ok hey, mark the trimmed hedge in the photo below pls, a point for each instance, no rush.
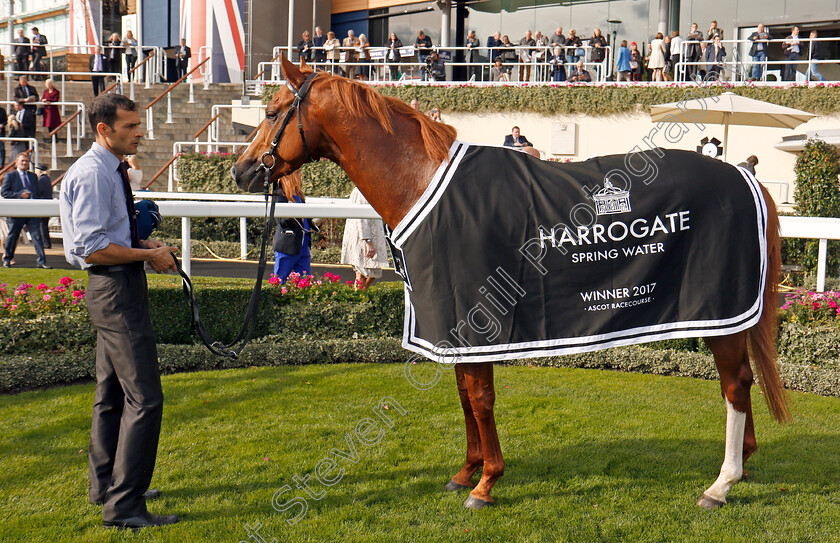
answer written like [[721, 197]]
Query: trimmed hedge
[[592, 100]]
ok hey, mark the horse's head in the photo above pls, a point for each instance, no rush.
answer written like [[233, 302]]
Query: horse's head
[[278, 145]]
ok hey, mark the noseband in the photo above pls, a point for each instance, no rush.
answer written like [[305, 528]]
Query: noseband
[[299, 95]]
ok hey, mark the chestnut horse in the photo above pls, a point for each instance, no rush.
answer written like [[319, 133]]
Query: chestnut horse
[[391, 153]]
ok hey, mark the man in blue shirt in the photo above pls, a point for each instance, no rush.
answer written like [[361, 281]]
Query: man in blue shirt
[[100, 235]]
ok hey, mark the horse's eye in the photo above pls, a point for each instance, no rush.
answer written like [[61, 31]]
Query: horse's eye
[[271, 115]]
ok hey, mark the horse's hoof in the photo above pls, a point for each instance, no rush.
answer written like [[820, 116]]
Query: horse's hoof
[[707, 502], [452, 486], [475, 503]]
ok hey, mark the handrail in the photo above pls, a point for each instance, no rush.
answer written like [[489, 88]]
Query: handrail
[[11, 164], [57, 181], [175, 84], [64, 123], [163, 169], [142, 62], [264, 69], [111, 86], [203, 128]]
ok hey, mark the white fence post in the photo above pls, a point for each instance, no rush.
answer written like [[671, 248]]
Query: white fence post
[[821, 265], [186, 246], [243, 237]]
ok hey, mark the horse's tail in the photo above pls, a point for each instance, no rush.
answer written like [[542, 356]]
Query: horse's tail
[[763, 335]]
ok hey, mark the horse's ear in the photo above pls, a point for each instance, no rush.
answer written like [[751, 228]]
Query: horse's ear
[[291, 72], [304, 65]]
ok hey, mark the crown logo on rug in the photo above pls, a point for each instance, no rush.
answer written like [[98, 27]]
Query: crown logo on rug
[[611, 199]]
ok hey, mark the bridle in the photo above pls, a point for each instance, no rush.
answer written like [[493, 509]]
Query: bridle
[[232, 349]]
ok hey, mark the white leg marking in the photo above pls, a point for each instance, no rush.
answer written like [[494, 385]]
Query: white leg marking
[[733, 461]]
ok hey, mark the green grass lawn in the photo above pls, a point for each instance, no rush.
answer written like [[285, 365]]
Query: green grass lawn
[[13, 276], [591, 456]]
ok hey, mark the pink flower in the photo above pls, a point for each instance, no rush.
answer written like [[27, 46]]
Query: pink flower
[[816, 305], [46, 297], [13, 307], [64, 300], [283, 290], [42, 286], [832, 304], [274, 280], [77, 293], [65, 281]]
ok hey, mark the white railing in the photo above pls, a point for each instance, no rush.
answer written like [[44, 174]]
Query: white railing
[[823, 229], [213, 131], [157, 67], [534, 59], [9, 75], [33, 144]]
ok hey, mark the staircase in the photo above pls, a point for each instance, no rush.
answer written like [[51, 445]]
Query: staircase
[[187, 119]]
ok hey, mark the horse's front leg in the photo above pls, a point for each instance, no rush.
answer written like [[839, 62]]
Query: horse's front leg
[[732, 361], [475, 456], [478, 379]]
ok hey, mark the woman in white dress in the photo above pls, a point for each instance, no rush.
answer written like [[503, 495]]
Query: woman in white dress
[[656, 63], [363, 246]]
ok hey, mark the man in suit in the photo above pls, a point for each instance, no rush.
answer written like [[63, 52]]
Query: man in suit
[[758, 51], [182, 58], [3, 120], [27, 95], [22, 184], [38, 49], [96, 63], [21, 51], [44, 192], [515, 139], [319, 55]]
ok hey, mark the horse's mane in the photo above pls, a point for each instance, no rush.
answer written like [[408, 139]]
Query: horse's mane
[[363, 101]]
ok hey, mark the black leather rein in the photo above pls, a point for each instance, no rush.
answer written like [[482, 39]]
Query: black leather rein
[[235, 347]]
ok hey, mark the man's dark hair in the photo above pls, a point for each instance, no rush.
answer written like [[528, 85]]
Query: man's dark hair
[[104, 109], [514, 128], [752, 159], [35, 29]]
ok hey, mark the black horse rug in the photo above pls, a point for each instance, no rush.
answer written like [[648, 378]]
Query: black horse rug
[[506, 256]]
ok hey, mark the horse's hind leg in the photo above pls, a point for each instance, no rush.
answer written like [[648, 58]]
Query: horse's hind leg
[[475, 456], [732, 361], [482, 394]]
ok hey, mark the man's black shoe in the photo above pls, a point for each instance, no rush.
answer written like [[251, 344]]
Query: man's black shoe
[[145, 520], [44, 267], [150, 494]]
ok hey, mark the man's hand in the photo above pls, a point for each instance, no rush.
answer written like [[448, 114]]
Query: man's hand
[[26, 195], [151, 244], [160, 258]]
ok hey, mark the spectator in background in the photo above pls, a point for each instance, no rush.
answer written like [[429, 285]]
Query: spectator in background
[[182, 58], [499, 72], [676, 45], [437, 67], [3, 121], [38, 51], [714, 32], [516, 139], [393, 57], [666, 46], [715, 57], [540, 56], [525, 56], [656, 63], [558, 38], [21, 51], [130, 45], [506, 50], [97, 63], [557, 65], [113, 52], [758, 51], [318, 41], [693, 52], [434, 114], [349, 45], [579, 74], [16, 131], [817, 52], [415, 105], [750, 164], [135, 174], [493, 42], [332, 49], [622, 63], [363, 58], [363, 246], [52, 117], [44, 192], [792, 49], [472, 44], [635, 62], [22, 184], [293, 238], [423, 44], [304, 47], [574, 47], [598, 43], [27, 95]]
